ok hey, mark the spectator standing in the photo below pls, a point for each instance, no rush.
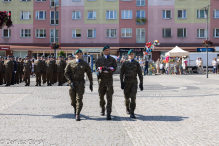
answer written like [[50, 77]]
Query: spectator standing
[[214, 63], [162, 68], [122, 60], [200, 67], [158, 65], [197, 61], [218, 64], [180, 66], [146, 67], [141, 62]]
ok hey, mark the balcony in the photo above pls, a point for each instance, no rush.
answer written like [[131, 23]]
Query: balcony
[[141, 21]]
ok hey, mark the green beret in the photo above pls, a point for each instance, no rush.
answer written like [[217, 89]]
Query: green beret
[[78, 51], [131, 51], [106, 47]]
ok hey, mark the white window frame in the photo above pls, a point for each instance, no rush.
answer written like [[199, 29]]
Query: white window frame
[[94, 12], [38, 29], [183, 17], [25, 0], [184, 36], [9, 33], [110, 29], [198, 14], [214, 14], [166, 14], [114, 15], [199, 33], [6, 0], [140, 3], [140, 14], [92, 33], [164, 32], [23, 31], [44, 15], [54, 17], [57, 36], [140, 35], [74, 32], [125, 33], [40, 0], [214, 33], [129, 14], [76, 15], [55, 1], [22, 13]]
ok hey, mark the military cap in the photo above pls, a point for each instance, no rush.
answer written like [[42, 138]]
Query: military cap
[[26, 56], [16, 58], [20, 58], [5, 57], [131, 51], [78, 51], [106, 47], [42, 56], [69, 56], [54, 57], [60, 56], [38, 55]]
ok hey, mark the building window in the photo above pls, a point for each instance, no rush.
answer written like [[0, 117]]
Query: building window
[[111, 15], [126, 32], [41, 0], [91, 33], [126, 14], [201, 33], [140, 35], [215, 13], [6, 33], [52, 17], [91, 15], [40, 33], [166, 14], [110, 33], [53, 2], [182, 14], [52, 35], [76, 15], [25, 33], [40, 15], [201, 14], [25, 0], [25, 15], [181, 32], [167, 32], [140, 2], [76, 0], [216, 33], [6, 0], [76, 33]]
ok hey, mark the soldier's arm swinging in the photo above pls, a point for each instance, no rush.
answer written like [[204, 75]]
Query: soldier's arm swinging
[[68, 72], [89, 74], [122, 71], [140, 77], [114, 65]]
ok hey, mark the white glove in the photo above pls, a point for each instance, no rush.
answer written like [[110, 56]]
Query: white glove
[[105, 71], [14, 71]]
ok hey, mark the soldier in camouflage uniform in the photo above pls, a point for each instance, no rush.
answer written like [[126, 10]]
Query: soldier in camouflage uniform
[[49, 70], [43, 69], [55, 70], [38, 69], [21, 67], [27, 70], [74, 73], [105, 80], [9, 68], [17, 75], [60, 69], [128, 77], [1, 70]]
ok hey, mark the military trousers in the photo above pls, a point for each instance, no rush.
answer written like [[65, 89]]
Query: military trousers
[[27, 77], [1, 78], [8, 78], [43, 75], [130, 92], [38, 78], [55, 77], [13, 78], [60, 77], [76, 96], [17, 77], [49, 78], [106, 87], [20, 77], [4, 80]]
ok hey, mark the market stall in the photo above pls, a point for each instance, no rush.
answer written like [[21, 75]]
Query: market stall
[[172, 58]]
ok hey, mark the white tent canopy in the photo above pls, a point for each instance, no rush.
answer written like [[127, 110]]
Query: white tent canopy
[[177, 52]]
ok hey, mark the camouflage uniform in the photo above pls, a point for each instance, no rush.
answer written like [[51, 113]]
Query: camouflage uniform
[[17, 75], [43, 71], [74, 72], [105, 81], [129, 72], [38, 69], [9, 68], [49, 72], [60, 69], [27, 69]]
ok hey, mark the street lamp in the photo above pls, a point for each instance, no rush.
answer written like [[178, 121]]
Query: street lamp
[[55, 6], [206, 15]]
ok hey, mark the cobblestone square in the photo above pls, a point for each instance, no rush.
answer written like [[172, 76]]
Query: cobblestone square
[[173, 110]]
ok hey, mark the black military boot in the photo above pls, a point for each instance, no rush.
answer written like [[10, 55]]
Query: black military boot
[[102, 113], [36, 85], [39, 84], [132, 115], [108, 117], [78, 118], [26, 84], [47, 84], [6, 85], [128, 111]]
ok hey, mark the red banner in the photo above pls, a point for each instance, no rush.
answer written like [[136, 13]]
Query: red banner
[[5, 48]]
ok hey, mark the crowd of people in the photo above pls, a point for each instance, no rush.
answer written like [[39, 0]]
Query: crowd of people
[[14, 70]]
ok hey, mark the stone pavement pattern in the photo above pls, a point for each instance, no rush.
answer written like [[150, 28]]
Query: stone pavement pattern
[[171, 111]]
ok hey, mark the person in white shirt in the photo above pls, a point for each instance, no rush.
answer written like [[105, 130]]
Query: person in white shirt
[[162, 68], [214, 63], [197, 61], [218, 64], [141, 62]]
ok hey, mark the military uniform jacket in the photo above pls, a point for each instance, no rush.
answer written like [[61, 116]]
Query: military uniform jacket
[[15, 65], [74, 72], [49, 66], [1, 66], [9, 67], [129, 72], [44, 66], [27, 66], [60, 66], [22, 66], [55, 66], [38, 66], [109, 62], [18, 67]]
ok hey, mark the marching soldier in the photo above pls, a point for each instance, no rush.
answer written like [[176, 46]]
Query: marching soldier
[[9, 68], [38, 69], [64, 79], [3, 62], [60, 69], [27, 70], [55, 70], [74, 73], [43, 69], [22, 67], [106, 66], [14, 72], [49, 71], [128, 77], [17, 75], [1, 70]]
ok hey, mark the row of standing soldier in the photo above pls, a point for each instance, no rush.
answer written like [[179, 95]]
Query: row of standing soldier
[[15, 70]]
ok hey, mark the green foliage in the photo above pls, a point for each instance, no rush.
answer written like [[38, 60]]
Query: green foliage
[[62, 53]]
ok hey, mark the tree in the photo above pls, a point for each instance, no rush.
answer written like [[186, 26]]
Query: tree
[[62, 53]]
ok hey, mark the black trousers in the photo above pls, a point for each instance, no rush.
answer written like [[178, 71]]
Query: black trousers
[[13, 78]]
